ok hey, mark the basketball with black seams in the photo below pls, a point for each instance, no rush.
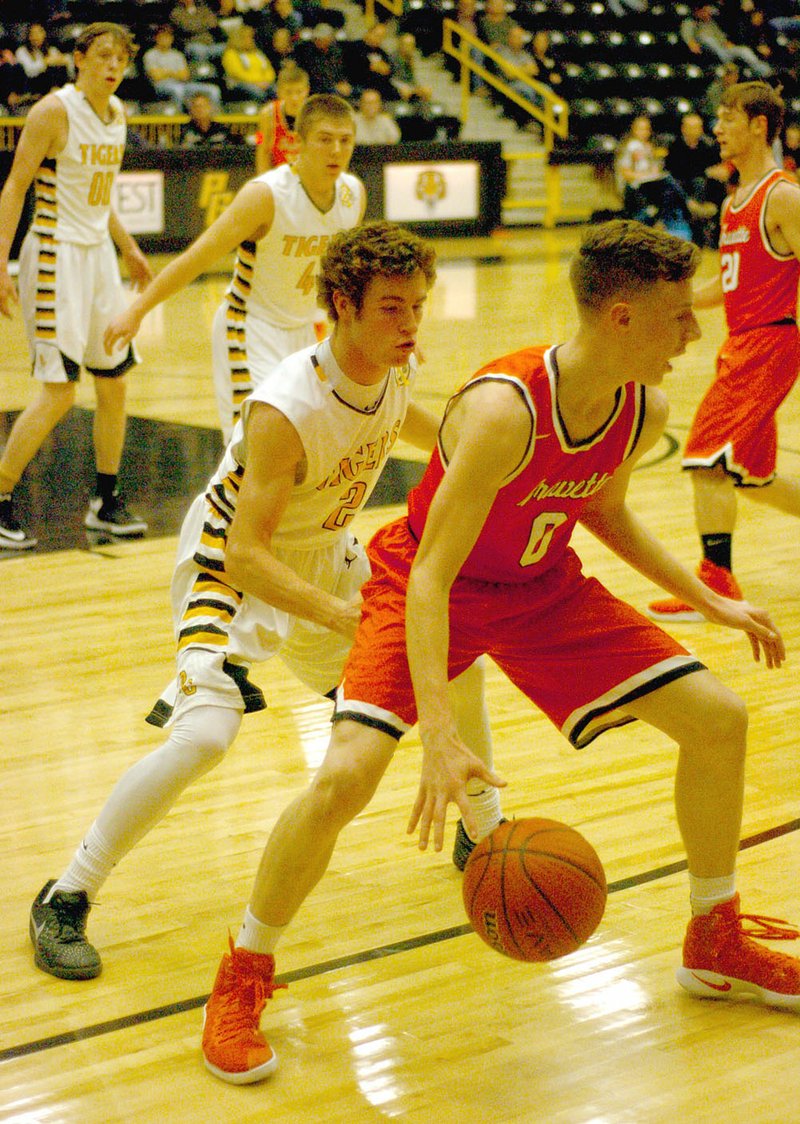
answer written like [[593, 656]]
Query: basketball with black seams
[[534, 889]]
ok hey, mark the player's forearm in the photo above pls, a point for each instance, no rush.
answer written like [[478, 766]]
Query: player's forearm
[[12, 200], [258, 572], [428, 643]]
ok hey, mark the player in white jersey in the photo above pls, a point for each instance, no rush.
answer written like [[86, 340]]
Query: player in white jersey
[[267, 563], [71, 146], [279, 224]]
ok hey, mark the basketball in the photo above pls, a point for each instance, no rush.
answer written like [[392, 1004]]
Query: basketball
[[534, 889]]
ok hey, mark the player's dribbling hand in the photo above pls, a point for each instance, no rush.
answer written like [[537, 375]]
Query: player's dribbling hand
[[764, 637], [443, 780]]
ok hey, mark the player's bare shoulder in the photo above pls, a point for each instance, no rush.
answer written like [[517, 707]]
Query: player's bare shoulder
[[47, 126], [782, 217]]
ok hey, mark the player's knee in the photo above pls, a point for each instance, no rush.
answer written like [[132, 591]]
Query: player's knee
[[722, 725], [205, 734], [348, 777]]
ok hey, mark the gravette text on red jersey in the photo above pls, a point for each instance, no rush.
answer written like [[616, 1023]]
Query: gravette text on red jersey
[[567, 489]]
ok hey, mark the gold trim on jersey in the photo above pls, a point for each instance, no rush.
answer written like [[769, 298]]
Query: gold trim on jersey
[[45, 312]]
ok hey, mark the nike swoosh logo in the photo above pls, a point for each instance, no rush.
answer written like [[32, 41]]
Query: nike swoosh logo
[[717, 987]]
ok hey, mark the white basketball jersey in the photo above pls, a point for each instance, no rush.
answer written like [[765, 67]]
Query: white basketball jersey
[[73, 192], [347, 431], [276, 278]]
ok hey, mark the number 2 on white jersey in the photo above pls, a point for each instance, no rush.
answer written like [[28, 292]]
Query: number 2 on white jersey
[[729, 271]]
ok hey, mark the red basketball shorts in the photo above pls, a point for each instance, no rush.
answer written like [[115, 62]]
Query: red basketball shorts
[[574, 649], [735, 422]]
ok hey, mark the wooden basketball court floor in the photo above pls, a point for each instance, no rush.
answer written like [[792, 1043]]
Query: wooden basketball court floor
[[395, 1010]]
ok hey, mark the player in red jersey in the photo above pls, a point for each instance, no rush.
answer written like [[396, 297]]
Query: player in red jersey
[[277, 137], [733, 440], [483, 564]]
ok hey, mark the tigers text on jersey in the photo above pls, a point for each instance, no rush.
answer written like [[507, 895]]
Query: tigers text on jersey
[[532, 517], [276, 277], [347, 432], [73, 191], [759, 284]]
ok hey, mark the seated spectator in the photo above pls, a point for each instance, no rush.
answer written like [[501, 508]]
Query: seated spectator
[[495, 23], [322, 59], [791, 148], [281, 49], [649, 194], [373, 124], [693, 162], [248, 72], [283, 13], [44, 66], [168, 71], [228, 17], [368, 65], [202, 130], [13, 84], [701, 32], [729, 75], [404, 77], [320, 11], [198, 29], [548, 67], [277, 140]]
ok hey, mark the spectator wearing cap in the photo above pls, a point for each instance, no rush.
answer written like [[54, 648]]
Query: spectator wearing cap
[[322, 59]]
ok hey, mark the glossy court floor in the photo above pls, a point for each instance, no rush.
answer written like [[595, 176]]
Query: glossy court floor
[[395, 1010]]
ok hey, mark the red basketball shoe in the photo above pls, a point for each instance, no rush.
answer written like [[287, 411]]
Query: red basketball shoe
[[722, 961], [233, 1046], [715, 577]]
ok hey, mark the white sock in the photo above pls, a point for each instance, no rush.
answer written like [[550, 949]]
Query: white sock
[[485, 801], [255, 936], [91, 865], [705, 893]]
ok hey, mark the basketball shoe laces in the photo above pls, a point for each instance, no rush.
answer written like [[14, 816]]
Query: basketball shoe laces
[[766, 928], [70, 912], [246, 994]]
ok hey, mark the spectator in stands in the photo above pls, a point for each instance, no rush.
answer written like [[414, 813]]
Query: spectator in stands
[[281, 49], [621, 8], [404, 77], [373, 124], [277, 140], [320, 11], [728, 76], [228, 17], [791, 148], [282, 13], [649, 194], [693, 162], [248, 72], [168, 71], [202, 130], [495, 23], [368, 64], [43, 64], [517, 58], [701, 32], [12, 81], [466, 18], [198, 29], [548, 67], [323, 61]]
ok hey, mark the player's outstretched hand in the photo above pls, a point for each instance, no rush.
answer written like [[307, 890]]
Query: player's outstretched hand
[[447, 765], [764, 637], [121, 330]]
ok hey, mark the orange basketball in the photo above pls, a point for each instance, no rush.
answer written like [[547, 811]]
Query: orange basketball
[[534, 889]]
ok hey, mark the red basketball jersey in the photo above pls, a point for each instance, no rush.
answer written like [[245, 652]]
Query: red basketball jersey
[[758, 283], [284, 139], [530, 523]]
